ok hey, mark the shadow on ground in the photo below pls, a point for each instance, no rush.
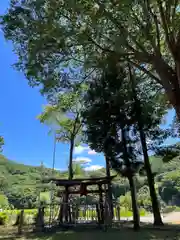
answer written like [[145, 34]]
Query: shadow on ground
[[145, 234]]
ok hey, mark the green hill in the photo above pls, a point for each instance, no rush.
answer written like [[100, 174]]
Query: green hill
[[22, 184]]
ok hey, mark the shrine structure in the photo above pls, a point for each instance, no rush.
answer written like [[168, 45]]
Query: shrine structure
[[68, 212]]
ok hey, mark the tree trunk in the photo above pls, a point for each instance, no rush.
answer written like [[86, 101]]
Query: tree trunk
[[135, 209], [108, 174], [150, 177], [71, 159], [170, 81], [136, 217], [177, 109]]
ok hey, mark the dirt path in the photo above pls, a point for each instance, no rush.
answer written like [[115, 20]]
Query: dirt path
[[173, 217]]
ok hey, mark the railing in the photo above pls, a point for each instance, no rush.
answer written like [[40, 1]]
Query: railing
[[87, 213], [50, 216]]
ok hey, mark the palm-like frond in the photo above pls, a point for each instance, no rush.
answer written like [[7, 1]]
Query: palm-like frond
[[64, 118]]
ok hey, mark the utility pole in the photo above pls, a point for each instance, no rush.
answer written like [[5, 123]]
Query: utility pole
[[41, 182]]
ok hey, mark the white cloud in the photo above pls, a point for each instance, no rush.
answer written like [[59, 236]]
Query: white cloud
[[82, 160], [92, 152], [80, 149], [51, 167], [93, 168]]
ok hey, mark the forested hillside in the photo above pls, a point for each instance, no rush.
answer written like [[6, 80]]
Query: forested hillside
[[20, 184]]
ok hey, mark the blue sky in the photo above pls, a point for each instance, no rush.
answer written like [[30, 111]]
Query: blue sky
[[26, 140]]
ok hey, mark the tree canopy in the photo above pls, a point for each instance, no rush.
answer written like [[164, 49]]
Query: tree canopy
[[48, 35], [109, 100], [65, 121], [113, 121]]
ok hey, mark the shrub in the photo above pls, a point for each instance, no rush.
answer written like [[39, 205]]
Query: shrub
[[142, 212], [26, 218], [4, 204], [30, 211], [18, 219], [3, 218], [126, 213], [169, 209], [177, 209]]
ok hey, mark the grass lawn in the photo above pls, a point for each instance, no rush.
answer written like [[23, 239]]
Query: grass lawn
[[99, 235]]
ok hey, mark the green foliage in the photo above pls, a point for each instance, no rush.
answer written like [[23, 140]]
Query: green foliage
[[143, 212], [173, 177], [169, 209], [124, 212], [168, 152], [21, 183], [45, 198], [4, 204], [110, 104], [85, 32], [78, 170], [17, 222], [65, 120], [156, 164], [125, 201], [169, 187], [3, 218], [62, 125], [21, 177], [1, 143], [144, 199], [120, 118], [64, 117]]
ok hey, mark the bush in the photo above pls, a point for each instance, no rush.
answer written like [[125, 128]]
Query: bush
[[3, 218], [142, 212], [126, 213], [17, 220], [4, 204], [170, 209], [27, 217]]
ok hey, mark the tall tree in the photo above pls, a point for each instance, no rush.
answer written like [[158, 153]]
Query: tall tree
[[48, 34], [105, 117], [110, 101], [141, 124], [66, 119], [126, 163]]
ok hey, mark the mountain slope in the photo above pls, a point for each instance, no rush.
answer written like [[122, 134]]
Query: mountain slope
[[22, 184]]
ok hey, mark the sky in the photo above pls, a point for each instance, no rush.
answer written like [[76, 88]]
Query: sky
[[26, 140]]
